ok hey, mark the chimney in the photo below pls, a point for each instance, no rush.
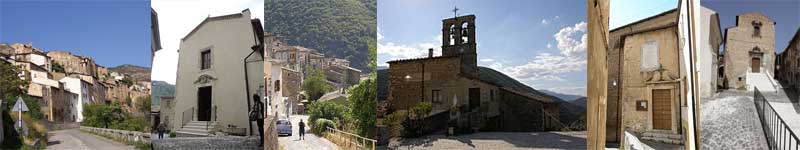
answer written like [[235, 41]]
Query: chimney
[[430, 52]]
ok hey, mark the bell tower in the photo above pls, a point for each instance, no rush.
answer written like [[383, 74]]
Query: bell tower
[[458, 39]]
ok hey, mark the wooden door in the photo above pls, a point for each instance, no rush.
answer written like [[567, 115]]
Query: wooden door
[[756, 65], [204, 104], [662, 109]]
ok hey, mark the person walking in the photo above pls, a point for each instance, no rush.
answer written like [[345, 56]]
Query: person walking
[[258, 109], [302, 129], [160, 130]]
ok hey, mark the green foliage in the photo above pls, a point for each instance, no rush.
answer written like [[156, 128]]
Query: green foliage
[[320, 126], [10, 83], [58, 68], [127, 81], [11, 139], [112, 117], [336, 28], [315, 84], [32, 103], [327, 110], [421, 110], [128, 101], [172, 134], [363, 106], [144, 103]]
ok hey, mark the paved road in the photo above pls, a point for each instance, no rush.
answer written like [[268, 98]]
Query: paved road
[[311, 141], [75, 139], [497, 141]]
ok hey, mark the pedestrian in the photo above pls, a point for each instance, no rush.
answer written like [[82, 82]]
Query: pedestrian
[[160, 130], [258, 109], [302, 129]]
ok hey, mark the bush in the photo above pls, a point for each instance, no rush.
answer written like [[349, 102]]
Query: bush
[[320, 126], [327, 110], [11, 138], [172, 134]]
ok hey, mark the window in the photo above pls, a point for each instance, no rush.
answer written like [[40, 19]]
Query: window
[[650, 56], [436, 96], [756, 29], [205, 58], [277, 85]]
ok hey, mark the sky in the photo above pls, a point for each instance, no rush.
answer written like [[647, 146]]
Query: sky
[[176, 18], [539, 43], [112, 33], [623, 12], [786, 14]]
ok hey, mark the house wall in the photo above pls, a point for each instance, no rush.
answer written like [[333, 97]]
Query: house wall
[[708, 44], [635, 87], [230, 40]]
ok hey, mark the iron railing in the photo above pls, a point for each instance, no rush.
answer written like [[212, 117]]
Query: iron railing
[[188, 114], [779, 135]]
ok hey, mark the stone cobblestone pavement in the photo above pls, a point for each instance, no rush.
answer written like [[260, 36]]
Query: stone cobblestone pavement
[[499, 140], [729, 121]]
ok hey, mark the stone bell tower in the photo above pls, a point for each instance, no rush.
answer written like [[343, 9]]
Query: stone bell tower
[[458, 39]]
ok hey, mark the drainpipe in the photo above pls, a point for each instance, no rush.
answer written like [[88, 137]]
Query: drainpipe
[[247, 90]]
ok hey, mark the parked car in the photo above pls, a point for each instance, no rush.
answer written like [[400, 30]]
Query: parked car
[[284, 127]]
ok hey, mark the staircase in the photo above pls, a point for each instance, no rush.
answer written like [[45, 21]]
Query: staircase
[[663, 137], [196, 129], [761, 80]]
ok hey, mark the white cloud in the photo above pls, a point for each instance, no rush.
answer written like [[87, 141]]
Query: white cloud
[[388, 51], [546, 66], [544, 21], [176, 18], [549, 45], [547, 21], [568, 41], [487, 60]]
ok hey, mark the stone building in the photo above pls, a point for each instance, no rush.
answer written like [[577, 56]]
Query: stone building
[[645, 80], [710, 36], [219, 69], [74, 64], [787, 64], [464, 95], [749, 48]]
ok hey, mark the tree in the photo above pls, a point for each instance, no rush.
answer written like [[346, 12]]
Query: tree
[[58, 68], [315, 84], [11, 84], [363, 102], [143, 105], [128, 101], [326, 110]]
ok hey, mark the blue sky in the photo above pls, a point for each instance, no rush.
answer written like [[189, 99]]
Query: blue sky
[[623, 12], [786, 13], [113, 33], [540, 43]]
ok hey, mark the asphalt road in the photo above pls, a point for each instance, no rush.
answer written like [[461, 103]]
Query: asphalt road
[[75, 139], [311, 142]]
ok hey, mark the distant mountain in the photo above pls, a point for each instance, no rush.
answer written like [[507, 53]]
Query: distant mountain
[[136, 72], [580, 102], [161, 88], [565, 97]]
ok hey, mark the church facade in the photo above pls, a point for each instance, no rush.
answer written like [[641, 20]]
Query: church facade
[[464, 95]]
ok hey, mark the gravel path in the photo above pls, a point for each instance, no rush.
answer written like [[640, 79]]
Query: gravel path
[[729, 121]]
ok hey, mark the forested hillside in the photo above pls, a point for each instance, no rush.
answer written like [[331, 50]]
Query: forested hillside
[[340, 28]]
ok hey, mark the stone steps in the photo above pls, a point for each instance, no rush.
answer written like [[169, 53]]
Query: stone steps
[[195, 129], [663, 137]]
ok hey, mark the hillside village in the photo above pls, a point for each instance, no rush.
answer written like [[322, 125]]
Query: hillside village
[[64, 83]]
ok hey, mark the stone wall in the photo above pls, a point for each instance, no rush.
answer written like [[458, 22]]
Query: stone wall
[[127, 136], [787, 69]]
